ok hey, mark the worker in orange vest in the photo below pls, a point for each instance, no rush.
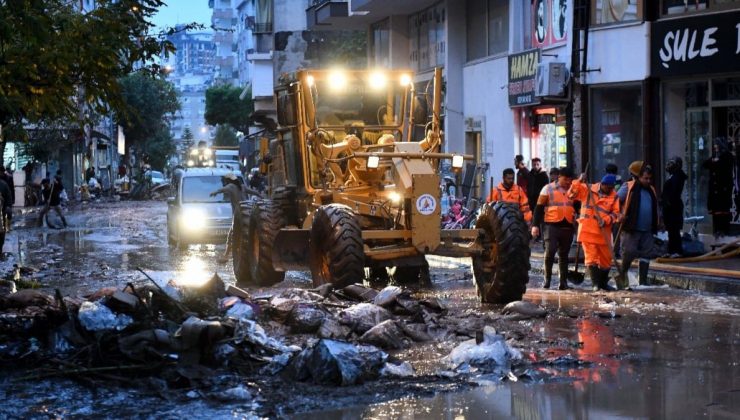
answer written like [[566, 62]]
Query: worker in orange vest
[[509, 192], [554, 206], [599, 211]]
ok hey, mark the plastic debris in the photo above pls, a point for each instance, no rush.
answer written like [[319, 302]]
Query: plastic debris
[[360, 292], [237, 393], [527, 309], [387, 296], [386, 335], [331, 328], [241, 311], [95, 316], [492, 350], [306, 318], [363, 316], [338, 362], [404, 370]]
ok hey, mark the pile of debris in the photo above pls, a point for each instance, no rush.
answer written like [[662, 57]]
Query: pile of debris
[[328, 336]]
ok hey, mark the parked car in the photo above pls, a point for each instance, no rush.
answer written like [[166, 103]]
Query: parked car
[[193, 216], [155, 177]]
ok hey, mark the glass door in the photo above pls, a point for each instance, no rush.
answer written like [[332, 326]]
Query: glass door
[[698, 149]]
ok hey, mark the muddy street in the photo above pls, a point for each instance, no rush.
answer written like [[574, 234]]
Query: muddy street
[[655, 352]]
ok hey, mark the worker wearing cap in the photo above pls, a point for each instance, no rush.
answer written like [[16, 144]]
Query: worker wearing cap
[[557, 211], [235, 190], [509, 192], [599, 211], [639, 222]]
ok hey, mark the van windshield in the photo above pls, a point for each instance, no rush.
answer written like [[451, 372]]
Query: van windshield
[[197, 189]]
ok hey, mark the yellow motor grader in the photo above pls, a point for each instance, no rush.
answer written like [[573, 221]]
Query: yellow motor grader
[[352, 196]]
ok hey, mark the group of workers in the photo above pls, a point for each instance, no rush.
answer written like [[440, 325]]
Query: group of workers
[[600, 208]]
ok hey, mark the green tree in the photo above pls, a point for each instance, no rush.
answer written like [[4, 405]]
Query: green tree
[[150, 104], [57, 62], [225, 136], [187, 139], [223, 106]]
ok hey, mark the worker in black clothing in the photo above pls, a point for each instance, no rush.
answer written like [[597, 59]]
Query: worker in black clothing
[[51, 199], [6, 204]]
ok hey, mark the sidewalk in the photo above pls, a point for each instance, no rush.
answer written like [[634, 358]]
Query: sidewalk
[[721, 276]]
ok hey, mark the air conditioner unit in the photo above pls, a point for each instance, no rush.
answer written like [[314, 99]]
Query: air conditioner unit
[[551, 79]]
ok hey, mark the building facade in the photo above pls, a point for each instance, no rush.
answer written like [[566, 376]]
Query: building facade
[[224, 24]]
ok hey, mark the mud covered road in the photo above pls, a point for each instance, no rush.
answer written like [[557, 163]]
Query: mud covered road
[[655, 352]]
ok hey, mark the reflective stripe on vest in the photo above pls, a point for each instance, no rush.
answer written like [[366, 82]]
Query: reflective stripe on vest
[[558, 207], [587, 209]]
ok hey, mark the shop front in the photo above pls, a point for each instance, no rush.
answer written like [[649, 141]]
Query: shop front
[[540, 125], [696, 59], [617, 135]]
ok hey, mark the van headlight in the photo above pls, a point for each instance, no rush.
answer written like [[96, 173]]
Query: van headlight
[[193, 219]]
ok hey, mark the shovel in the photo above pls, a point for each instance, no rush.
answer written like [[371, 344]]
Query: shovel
[[574, 276]]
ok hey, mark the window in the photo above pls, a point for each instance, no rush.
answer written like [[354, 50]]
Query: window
[[487, 28], [427, 38], [674, 7], [616, 127], [380, 44], [614, 11]]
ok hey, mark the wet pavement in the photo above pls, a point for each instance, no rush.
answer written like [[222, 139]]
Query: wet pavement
[[654, 353]]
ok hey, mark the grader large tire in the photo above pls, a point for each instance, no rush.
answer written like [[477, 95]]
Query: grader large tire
[[240, 250], [502, 272], [265, 221], [336, 250]]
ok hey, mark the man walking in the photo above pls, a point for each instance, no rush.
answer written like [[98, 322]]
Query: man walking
[[599, 211], [509, 192], [639, 222], [537, 180], [51, 200], [554, 206], [522, 173], [236, 192], [673, 205]]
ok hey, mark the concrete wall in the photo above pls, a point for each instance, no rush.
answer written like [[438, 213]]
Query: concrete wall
[[485, 95]]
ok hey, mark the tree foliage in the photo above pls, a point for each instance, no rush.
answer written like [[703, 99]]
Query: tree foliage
[[150, 103], [225, 136], [223, 106], [187, 139], [55, 58]]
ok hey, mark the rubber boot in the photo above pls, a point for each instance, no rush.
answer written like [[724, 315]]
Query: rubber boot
[[643, 273], [623, 280], [563, 273], [604, 280], [594, 273], [548, 273]]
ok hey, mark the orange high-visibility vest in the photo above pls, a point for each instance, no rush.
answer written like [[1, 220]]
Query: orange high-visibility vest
[[559, 206], [594, 201], [515, 195]]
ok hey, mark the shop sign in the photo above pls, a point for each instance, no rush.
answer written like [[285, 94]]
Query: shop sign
[[550, 26], [696, 45], [522, 75], [474, 124]]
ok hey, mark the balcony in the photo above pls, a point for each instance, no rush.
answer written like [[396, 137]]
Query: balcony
[[381, 9], [329, 14]]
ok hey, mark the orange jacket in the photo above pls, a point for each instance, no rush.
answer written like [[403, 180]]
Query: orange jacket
[[557, 204], [594, 201], [514, 195]]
